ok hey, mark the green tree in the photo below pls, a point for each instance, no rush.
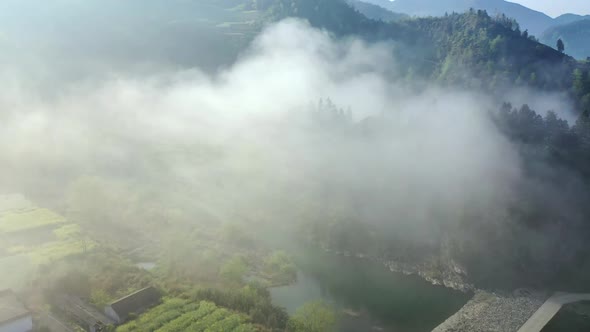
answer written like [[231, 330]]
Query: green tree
[[99, 298], [560, 45], [234, 269], [578, 81], [281, 267], [313, 317], [581, 83]]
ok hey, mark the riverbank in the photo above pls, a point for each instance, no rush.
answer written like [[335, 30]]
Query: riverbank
[[484, 312], [491, 312]]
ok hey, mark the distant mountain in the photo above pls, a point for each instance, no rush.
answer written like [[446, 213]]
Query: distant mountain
[[569, 18], [575, 35], [534, 21], [376, 12], [571, 28], [387, 4]]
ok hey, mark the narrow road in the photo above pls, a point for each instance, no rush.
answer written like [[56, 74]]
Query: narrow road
[[549, 309]]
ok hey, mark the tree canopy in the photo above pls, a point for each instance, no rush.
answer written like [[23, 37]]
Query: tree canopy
[[313, 317]]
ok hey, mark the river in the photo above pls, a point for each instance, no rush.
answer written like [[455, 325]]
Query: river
[[367, 296]]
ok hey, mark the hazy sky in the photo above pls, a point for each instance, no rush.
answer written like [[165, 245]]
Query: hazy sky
[[557, 7]]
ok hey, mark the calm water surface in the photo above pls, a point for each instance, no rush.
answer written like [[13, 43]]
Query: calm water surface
[[368, 297]]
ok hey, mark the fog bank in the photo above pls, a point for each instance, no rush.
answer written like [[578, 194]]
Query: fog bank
[[265, 139]]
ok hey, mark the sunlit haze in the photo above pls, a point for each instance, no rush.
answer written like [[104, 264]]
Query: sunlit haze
[[555, 8]]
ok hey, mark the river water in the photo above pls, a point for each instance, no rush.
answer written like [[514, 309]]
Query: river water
[[367, 296]]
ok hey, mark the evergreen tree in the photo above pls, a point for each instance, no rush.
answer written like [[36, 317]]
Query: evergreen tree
[[560, 45]]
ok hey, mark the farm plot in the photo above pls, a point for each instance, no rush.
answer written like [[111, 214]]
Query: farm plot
[[53, 251], [176, 315]]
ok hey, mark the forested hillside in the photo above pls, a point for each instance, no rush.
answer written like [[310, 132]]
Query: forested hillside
[[470, 50], [535, 23], [494, 51], [476, 51]]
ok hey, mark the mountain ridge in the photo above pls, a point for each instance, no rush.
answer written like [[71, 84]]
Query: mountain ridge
[[536, 22], [376, 12], [569, 18], [575, 36]]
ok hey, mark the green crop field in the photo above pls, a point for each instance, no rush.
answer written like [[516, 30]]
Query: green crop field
[[176, 315], [21, 221]]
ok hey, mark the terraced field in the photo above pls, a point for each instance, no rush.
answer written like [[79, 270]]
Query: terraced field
[[176, 315], [31, 236]]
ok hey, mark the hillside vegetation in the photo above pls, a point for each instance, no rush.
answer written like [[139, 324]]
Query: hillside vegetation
[[199, 147], [537, 24], [472, 49]]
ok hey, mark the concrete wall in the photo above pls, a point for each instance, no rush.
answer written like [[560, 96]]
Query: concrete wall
[[24, 324]]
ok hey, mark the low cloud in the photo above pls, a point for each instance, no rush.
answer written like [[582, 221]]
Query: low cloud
[[249, 138]]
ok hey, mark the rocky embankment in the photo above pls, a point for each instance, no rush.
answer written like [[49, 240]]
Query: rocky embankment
[[436, 270], [449, 274], [490, 312]]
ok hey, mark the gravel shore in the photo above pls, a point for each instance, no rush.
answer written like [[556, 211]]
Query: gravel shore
[[490, 312]]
